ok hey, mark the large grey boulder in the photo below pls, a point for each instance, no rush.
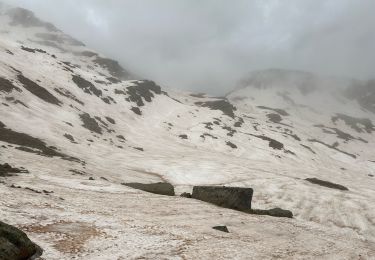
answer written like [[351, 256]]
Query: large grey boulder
[[15, 245], [227, 197]]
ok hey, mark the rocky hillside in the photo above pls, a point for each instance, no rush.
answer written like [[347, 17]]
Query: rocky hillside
[[75, 125]]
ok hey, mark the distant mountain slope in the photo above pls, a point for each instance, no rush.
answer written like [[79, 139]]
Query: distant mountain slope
[[68, 114]]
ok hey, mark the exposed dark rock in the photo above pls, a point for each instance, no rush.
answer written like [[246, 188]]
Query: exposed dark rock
[[68, 94], [308, 148], [136, 110], [112, 121], [291, 134], [9, 52], [289, 152], [15, 101], [113, 67], [281, 112], [333, 147], [27, 141], [101, 121], [70, 65], [113, 80], [208, 125], [221, 228], [121, 137], [227, 197], [91, 179], [77, 172], [7, 170], [119, 92], [32, 50], [340, 134], [358, 124], [143, 90], [231, 145], [186, 195], [327, 184], [7, 86], [206, 134], [70, 138], [86, 86], [139, 149], [272, 143], [183, 136], [33, 190], [101, 82], [222, 105], [275, 212], [15, 245], [275, 118], [230, 130], [90, 123], [239, 123], [162, 188], [108, 100], [37, 90]]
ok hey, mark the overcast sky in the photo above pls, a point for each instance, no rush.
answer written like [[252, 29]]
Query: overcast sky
[[208, 45]]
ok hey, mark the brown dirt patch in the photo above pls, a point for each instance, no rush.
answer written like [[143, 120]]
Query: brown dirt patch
[[70, 237]]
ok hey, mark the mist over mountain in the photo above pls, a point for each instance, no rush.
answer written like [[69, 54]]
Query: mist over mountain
[[100, 159], [206, 46]]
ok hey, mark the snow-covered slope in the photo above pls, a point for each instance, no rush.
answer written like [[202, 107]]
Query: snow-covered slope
[[69, 114]]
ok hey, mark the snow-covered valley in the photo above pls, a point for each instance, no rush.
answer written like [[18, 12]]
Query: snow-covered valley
[[81, 125]]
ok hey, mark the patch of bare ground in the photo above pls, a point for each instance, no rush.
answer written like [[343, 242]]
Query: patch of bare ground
[[70, 237]]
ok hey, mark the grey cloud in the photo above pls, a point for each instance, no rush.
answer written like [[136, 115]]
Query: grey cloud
[[208, 45]]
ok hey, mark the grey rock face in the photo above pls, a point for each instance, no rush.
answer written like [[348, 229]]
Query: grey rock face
[[227, 197], [221, 228], [15, 245], [162, 188]]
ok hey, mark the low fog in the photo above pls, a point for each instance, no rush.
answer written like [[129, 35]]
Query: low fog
[[209, 45]]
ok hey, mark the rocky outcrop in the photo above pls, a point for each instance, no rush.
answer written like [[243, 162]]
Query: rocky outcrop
[[227, 197], [162, 188], [223, 104], [221, 228], [186, 195], [235, 198], [275, 212], [327, 184], [7, 170], [15, 245]]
